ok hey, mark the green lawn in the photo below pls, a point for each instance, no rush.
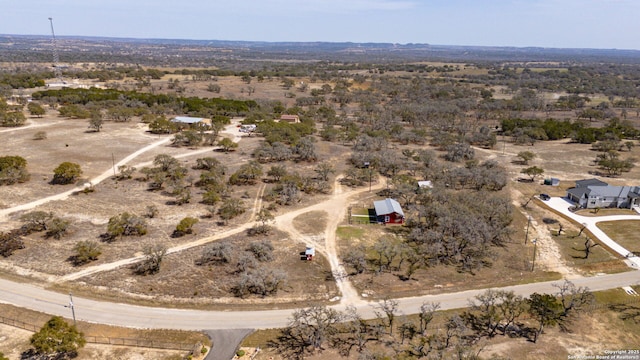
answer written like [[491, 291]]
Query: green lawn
[[599, 260], [362, 215], [349, 232], [604, 212]]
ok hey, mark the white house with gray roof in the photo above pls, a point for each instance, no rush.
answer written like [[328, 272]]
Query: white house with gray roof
[[594, 193]]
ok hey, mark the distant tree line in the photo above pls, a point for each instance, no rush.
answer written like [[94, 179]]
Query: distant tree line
[[526, 131], [134, 99]]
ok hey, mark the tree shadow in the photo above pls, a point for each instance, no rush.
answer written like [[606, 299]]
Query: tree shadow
[[627, 311], [32, 354], [75, 261], [290, 345], [584, 257]]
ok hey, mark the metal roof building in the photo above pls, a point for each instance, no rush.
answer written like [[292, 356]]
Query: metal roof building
[[388, 211], [187, 120]]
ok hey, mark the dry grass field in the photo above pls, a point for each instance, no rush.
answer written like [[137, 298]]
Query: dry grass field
[[89, 213]]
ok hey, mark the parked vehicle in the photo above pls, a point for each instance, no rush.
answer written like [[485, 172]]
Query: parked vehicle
[[248, 128]]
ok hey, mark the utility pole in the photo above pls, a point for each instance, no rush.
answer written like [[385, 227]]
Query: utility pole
[[73, 311], [367, 166], [533, 263], [526, 235]]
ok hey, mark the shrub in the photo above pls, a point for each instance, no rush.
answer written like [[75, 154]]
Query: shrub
[[86, 251], [185, 226], [10, 242], [13, 169], [59, 338], [217, 252], [66, 173], [153, 258], [40, 135], [262, 250], [126, 224], [57, 228]]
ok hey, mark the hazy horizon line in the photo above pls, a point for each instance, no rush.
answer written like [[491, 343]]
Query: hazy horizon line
[[45, 36]]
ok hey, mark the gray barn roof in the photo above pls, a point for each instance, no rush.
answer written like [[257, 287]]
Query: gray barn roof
[[590, 182], [387, 206], [605, 191]]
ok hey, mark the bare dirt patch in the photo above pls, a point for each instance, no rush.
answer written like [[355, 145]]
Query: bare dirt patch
[[311, 223]]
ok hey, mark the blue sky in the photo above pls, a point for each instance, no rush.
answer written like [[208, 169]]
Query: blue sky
[[545, 23]]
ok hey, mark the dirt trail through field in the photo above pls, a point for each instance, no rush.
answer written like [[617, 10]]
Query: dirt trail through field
[[230, 130], [94, 181], [335, 208], [548, 254], [30, 125]]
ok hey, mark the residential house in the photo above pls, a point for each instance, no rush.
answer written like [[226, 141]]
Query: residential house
[[593, 193], [388, 211], [186, 121]]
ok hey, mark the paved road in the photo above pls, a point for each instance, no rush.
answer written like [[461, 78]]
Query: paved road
[[225, 343], [36, 298]]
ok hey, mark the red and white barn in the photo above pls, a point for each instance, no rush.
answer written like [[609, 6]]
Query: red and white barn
[[388, 211]]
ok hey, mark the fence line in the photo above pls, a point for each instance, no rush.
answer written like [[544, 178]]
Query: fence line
[[145, 343], [357, 218]]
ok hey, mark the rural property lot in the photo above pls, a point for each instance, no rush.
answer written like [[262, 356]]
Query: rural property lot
[[89, 213], [44, 259], [316, 219]]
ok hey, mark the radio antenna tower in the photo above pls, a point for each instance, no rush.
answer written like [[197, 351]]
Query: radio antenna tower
[[56, 58]]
